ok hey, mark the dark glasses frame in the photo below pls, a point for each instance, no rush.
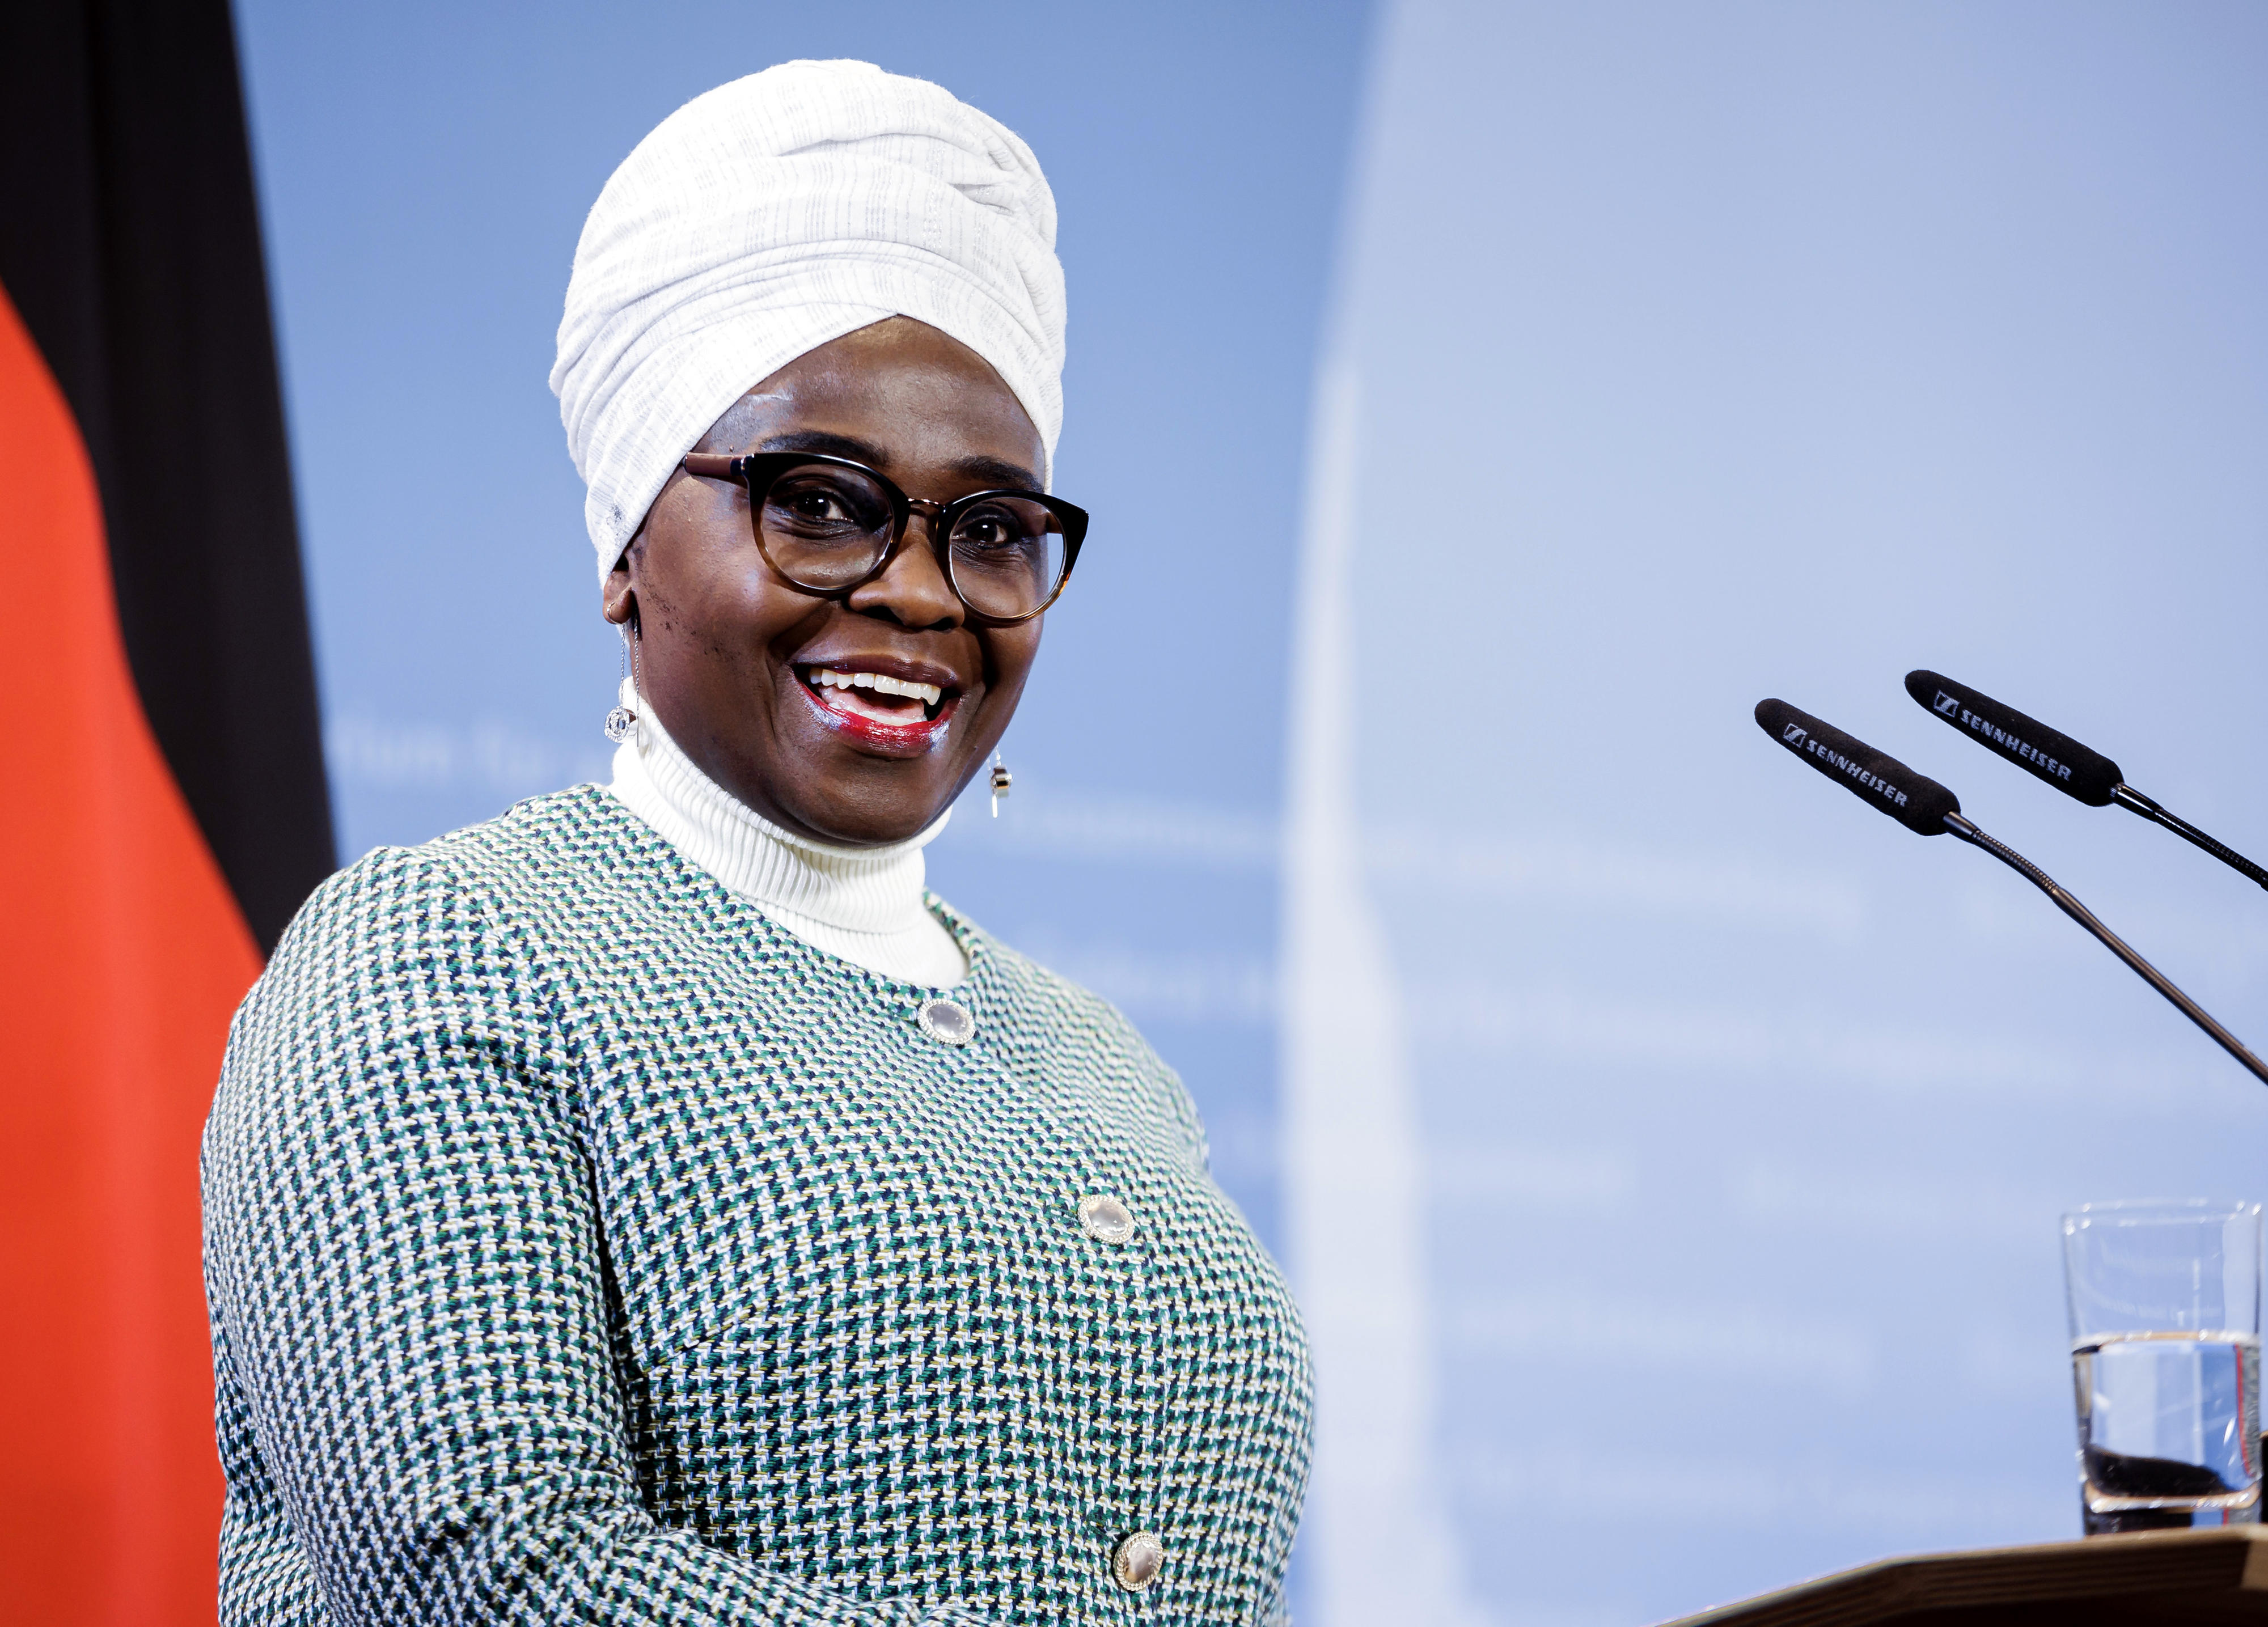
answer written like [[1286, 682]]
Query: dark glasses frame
[[758, 471]]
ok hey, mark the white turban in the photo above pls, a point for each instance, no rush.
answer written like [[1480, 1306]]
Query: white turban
[[772, 215]]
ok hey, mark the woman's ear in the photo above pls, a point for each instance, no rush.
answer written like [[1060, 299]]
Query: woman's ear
[[618, 595]]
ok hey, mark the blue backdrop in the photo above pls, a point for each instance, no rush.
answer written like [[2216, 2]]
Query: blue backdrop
[[1698, 1136], [1693, 355]]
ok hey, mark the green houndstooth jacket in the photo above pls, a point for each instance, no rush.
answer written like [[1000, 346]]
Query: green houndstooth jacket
[[582, 1246]]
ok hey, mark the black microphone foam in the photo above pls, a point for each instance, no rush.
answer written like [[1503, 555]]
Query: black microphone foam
[[1917, 802], [2040, 751]]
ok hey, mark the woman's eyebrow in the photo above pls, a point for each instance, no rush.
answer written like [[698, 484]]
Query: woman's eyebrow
[[997, 472], [978, 466], [829, 446]]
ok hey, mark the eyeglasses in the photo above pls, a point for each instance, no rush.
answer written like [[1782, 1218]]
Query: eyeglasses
[[830, 527]]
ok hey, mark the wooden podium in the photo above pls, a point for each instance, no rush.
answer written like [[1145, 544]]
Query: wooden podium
[[2144, 1579]]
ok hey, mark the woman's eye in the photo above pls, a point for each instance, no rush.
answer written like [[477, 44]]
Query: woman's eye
[[819, 508], [988, 531]]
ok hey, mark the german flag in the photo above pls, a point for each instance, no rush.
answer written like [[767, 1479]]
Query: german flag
[[164, 809]]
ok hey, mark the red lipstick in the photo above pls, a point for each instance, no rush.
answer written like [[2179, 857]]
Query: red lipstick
[[911, 739]]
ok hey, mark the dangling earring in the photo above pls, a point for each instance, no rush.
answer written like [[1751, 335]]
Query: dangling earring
[[622, 721], [1001, 780]]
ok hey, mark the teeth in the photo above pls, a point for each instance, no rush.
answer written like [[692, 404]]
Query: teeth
[[881, 683]]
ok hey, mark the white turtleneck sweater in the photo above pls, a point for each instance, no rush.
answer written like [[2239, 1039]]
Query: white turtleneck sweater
[[864, 904]]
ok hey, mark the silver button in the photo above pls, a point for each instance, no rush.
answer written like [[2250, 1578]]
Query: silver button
[[946, 1022], [1136, 1561], [1107, 1220]]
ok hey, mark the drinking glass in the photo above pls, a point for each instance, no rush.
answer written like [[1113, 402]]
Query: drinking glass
[[2165, 1355]]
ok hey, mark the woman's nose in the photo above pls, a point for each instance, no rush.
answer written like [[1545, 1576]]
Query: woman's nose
[[912, 589]]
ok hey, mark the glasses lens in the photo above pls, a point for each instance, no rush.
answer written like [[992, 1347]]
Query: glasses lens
[[824, 527], [1007, 556]]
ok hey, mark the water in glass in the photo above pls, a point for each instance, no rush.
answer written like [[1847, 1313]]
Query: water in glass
[[2170, 1421]]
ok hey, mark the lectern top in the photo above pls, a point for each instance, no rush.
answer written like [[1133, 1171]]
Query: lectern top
[[2197, 1579]]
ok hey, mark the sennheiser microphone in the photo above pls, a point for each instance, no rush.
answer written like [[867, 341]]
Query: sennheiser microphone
[[1883, 784], [1922, 805], [2054, 757]]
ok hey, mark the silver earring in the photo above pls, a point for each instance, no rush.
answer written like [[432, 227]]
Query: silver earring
[[622, 721], [1001, 780]]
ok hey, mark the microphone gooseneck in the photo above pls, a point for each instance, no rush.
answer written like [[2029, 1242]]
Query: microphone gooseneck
[[1923, 805], [2055, 758], [1968, 832], [2126, 797]]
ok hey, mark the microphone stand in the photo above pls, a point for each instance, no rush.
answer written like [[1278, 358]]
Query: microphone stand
[[1957, 825], [2132, 800]]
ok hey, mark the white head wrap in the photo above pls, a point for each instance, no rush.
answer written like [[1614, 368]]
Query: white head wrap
[[772, 215]]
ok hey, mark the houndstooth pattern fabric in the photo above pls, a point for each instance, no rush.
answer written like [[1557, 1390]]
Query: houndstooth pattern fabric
[[584, 1248]]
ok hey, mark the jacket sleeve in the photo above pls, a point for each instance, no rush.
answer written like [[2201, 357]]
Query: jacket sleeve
[[420, 1410]]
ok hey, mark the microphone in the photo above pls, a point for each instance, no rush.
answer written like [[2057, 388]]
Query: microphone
[[1922, 805], [2057, 759], [1882, 783]]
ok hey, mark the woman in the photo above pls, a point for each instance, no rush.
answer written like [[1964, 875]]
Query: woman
[[650, 1205]]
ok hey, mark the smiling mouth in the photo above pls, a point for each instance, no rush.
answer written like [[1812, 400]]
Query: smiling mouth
[[877, 699]]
